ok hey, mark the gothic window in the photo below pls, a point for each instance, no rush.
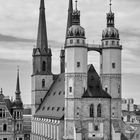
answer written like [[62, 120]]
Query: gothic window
[[113, 65], [17, 114], [17, 127], [2, 113], [119, 89], [5, 127], [96, 128], [99, 110], [44, 66], [43, 83], [70, 89], [21, 127], [78, 64], [106, 88], [91, 110]]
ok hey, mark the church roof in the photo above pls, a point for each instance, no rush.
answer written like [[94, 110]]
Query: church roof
[[53, 103]]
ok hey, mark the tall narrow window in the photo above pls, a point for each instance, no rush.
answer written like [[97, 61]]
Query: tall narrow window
[[99, 110], [106, 42], [43, 83], [113, 42], [78, 64], [5, 127], [113, 65], [70, 89], [91, 110], [44, 66]]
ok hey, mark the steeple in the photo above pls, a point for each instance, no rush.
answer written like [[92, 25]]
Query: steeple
[[110, 17], [42, 41], [69, 20]]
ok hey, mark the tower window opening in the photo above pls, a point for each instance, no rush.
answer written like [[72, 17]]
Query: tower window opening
[[106, 42], [78, 64], [2, 113], [83, 41], [91, 111], [119, 89], [70, 89], [106, 89], [71, 41], [43, 83], [96, 128], [113, 42], [113, 65], [44, 66], [5, 127], [99, 110], [78, 41], [17, 127]]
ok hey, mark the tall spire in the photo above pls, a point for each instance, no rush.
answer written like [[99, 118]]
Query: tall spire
[[42, 41], [18, 85], [69, 20]]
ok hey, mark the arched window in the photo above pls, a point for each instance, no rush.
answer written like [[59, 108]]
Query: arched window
[[91, 111], [5, 127], [44, 66], [43, 83], [99, 110]]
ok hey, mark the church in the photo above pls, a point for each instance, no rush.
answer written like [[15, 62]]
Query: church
[[77, 103]]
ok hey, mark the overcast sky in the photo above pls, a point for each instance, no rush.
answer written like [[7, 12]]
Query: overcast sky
[[18, 32]]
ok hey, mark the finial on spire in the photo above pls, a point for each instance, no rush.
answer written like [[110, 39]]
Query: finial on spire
[[110, 5], [76, 5]]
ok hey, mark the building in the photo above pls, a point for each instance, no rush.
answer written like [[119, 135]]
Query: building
[[77, 103], [12, 122]]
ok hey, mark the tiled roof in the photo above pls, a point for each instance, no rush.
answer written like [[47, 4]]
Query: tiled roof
[[53, 104]]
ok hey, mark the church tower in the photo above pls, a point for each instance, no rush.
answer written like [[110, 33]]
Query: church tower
[[75, 75], [18, 112], [42, 77], [111, 65]]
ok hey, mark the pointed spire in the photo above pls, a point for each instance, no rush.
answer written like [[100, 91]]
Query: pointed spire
[[18, 85], [69, 20], [42, 41]]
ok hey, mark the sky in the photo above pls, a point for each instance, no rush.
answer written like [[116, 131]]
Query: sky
[[18, 33]]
